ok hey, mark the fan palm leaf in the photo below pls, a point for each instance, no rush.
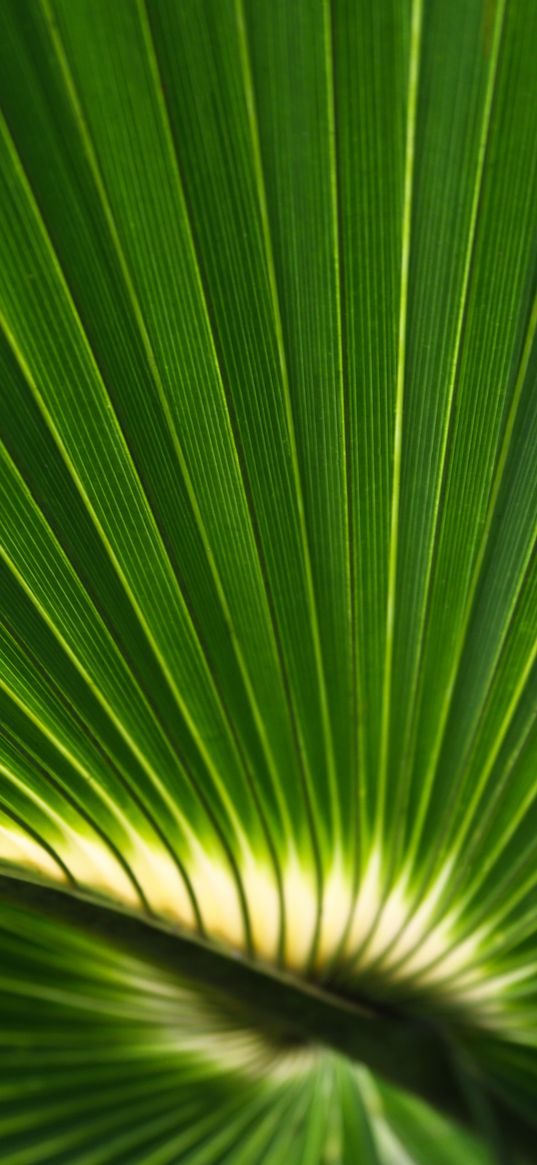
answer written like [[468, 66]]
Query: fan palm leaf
[[268, 676]]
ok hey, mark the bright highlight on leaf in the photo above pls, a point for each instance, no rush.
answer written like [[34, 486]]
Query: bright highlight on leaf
[[268, 638]]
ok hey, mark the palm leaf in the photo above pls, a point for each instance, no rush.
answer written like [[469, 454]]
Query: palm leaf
[[268, 679]]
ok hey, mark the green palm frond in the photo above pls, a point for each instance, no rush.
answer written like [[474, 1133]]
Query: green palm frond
[[268, 678]]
